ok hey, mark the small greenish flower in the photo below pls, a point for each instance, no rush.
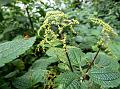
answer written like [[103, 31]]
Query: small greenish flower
[[58, 19], [106, 34]]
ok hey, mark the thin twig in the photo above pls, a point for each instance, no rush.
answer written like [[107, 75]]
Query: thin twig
[[31, 23]]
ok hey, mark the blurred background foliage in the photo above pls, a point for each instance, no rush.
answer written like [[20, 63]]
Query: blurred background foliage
[[23, 18]]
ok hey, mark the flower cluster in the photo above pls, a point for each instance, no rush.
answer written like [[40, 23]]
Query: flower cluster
[[60, 21], [107, 34]]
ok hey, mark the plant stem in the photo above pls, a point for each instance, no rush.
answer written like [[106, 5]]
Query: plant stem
[[92, 63], [86, 77], [31, 23], [69, 60], [70, 65]]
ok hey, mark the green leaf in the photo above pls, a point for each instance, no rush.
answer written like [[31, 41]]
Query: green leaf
[[19, 64], [12, 49], [63, 66], [88, 84], [67, 80], [103, 61], [59, 52], [79, 39], [115, 49], [42, 63], [35, 74], [105, 77], [75, 55], [29, 79]]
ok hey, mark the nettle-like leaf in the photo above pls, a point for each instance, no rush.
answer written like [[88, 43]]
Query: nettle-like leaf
[[103, 61], [59, 52], [12, 49], [75, 54], [35, 74], [105, 77], [67, 80]]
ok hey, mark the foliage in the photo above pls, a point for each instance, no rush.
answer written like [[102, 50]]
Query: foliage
[[11, 50], [59, 44]]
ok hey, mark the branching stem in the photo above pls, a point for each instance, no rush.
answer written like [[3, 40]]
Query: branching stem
[[86, 77], [92, 63]]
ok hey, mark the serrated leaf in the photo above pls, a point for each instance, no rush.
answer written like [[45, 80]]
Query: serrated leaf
[[12, 49], [105, 77], [75, 55], [67, 80], [35, 74], [59, 52], [103, 61]]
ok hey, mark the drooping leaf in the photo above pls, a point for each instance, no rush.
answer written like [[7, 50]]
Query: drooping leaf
[[105, 77], [12, 49]]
